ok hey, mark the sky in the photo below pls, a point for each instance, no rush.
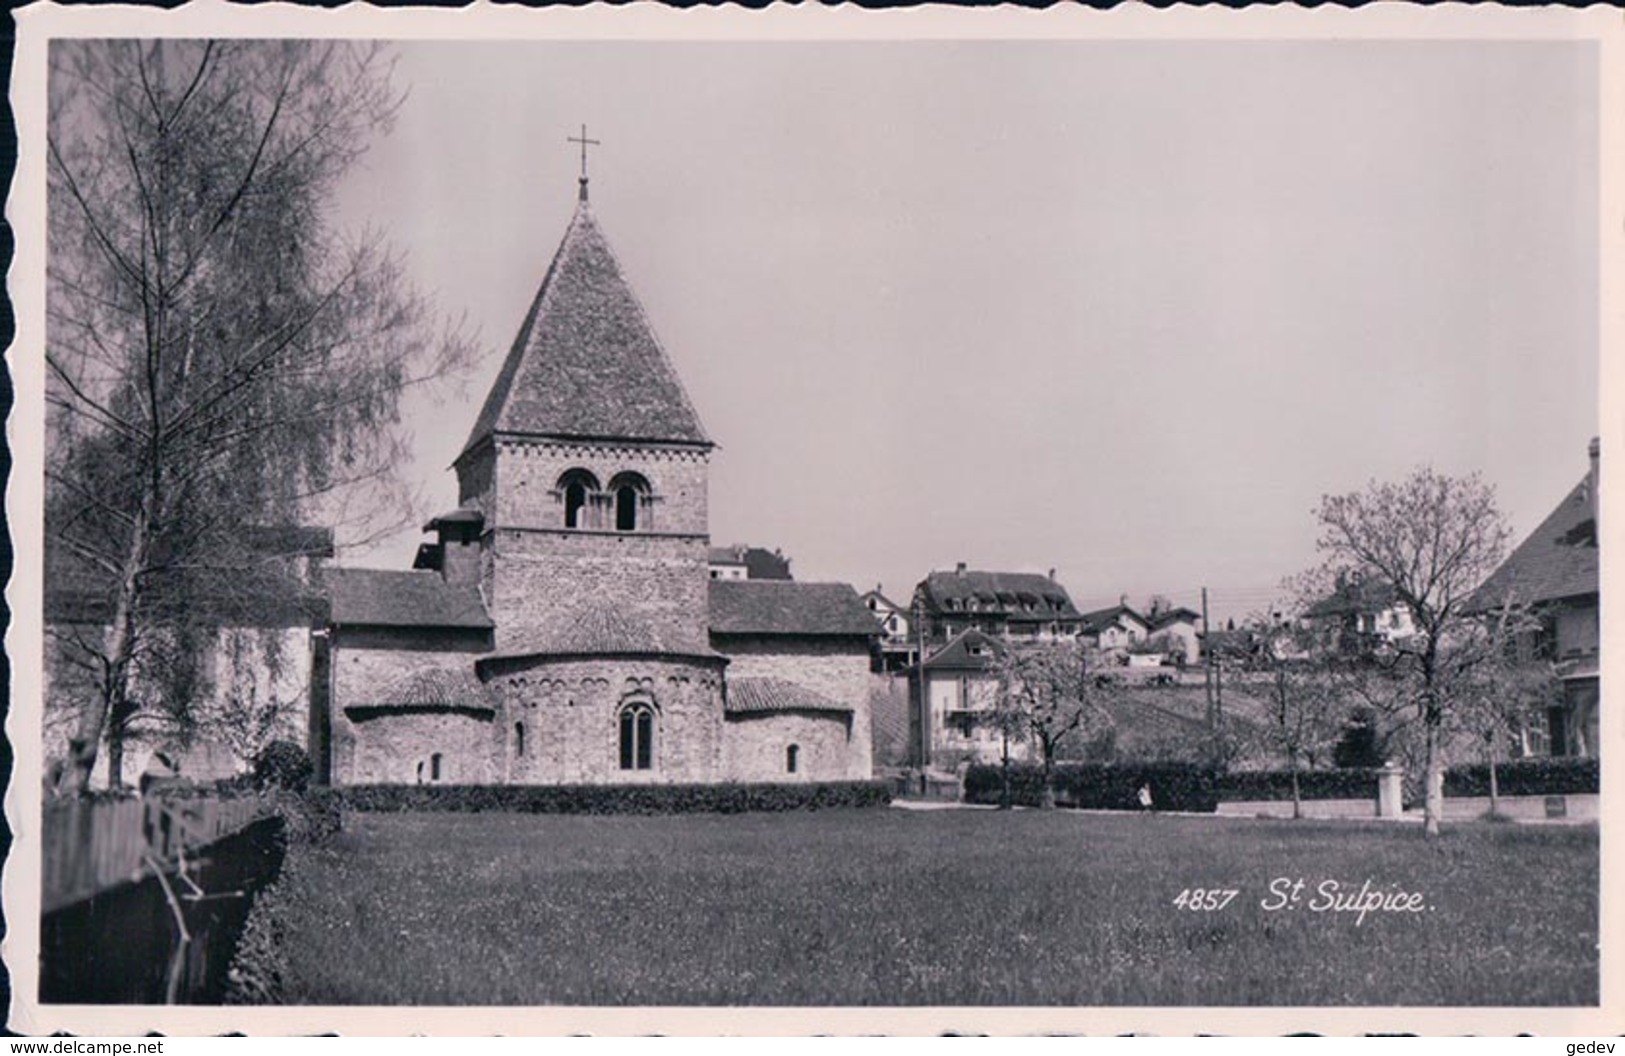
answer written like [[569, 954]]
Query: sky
[[1122, 309]]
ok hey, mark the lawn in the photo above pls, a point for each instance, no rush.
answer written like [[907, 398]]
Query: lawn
[[895, 907]]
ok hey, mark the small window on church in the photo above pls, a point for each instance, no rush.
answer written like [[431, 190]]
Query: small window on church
[[578, 487], [519, 739], [792, 757], [637, 737], [631, 493], [434, 767]]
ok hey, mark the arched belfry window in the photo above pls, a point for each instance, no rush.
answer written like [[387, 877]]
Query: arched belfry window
[[579, 490], [637, 736], [630, 493]]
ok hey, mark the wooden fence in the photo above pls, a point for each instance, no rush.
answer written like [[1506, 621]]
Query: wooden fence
[[90, 846]]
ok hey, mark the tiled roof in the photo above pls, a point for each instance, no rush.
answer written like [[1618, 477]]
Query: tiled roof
[[436, 689], [596, 628], [997, 591], [1558, 560], [379, 598], [1163, 619], [1103, 618], [766, 564], [759, 695], [1366, 596], [957, 655], [586, 362], [780, 606], [878, 596], [759, 563]]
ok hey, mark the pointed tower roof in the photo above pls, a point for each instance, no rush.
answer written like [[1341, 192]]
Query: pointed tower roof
[[586, 363]]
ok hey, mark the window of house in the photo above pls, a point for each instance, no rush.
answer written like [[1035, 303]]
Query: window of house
[[1557, 731], [637, 736], [792, 757]]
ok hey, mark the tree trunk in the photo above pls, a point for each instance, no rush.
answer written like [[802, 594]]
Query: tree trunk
[[115, 756], [1004, 775], [115, 689], [1433, 796], [1495, 786], [1297, 795], [1047, 802]]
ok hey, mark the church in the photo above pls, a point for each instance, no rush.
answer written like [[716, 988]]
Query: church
[[561, 625]]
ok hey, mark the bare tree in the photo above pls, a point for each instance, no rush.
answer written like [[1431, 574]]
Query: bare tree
[[1305, 707], [220, 358], [1050, 692], [1433, 539], [1504, 690]]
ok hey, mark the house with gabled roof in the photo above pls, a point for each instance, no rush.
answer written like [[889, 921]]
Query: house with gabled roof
[[1361, 614], [1554, 576], [1115, 628], [897, 649], [1180, 627], [960, 694], [563, 625]]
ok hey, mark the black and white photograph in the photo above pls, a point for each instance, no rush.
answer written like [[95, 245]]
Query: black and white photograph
[[902, 516]]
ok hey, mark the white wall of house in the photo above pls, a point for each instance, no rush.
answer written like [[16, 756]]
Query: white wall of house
[[952, 693], [1185, 635]]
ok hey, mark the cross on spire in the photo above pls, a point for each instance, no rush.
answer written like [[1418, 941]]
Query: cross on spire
[[585, 142]]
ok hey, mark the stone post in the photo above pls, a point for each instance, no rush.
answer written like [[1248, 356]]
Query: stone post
[[1390, 791]]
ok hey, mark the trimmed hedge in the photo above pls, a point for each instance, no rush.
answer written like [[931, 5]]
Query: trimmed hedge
[[1101, 786], [1272, 785], [614, 799], [1526, 777]]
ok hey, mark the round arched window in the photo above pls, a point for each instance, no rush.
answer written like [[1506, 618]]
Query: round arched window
[[637, 736], [630, 494]]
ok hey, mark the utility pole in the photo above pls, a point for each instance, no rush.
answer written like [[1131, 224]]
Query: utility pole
[[1207, 670], [923, 703]]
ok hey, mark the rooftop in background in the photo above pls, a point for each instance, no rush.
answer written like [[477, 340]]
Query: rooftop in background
[[1353, 597], [1015, 595], [968, 651], [1101, 618], [757, 562]]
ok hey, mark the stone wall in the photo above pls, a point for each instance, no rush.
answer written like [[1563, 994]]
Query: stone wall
[[521, 490], [837, 668], [754, 747], [399, 749], [570, 711], [365, 662], [542, 583]]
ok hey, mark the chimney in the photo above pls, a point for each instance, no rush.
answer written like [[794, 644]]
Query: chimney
[[959, 570], [1122, 599], [1592, 480], [1052, 575]]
